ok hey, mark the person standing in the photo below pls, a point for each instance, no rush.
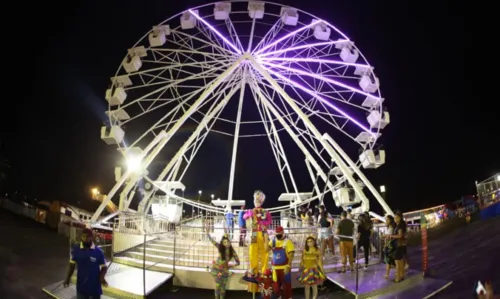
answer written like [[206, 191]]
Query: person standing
[[230, 223], [345, 231], [91, 268], [283, 251], [243, 226]]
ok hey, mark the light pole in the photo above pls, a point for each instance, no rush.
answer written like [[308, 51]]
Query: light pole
[[199, 198]]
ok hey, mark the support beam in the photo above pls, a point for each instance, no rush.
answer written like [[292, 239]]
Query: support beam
[[313, 179], [163, 135], [280, 150], [292, 134], [165, 139], [191, 138], [236, 139], [334, 156]]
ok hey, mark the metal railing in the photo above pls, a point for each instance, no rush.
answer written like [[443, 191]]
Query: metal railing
[[186, 246]]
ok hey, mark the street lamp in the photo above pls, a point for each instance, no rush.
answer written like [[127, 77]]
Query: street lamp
[[382, 189], [498, 177], [95, 193]]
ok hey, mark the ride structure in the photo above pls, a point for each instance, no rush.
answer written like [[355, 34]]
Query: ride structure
[[238, 69], [306, 80]]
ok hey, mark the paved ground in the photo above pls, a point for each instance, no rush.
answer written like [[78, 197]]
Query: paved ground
[[32, 256], [464, 256]]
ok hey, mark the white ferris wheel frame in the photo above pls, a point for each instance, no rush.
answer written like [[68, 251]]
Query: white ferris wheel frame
[[229, 54]]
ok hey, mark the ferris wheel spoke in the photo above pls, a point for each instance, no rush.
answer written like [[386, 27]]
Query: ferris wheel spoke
[[295, 123], [302, 133], [325, 101], [319, 77], [216, 32], [186, 40], [319, 46], [194, 147], [234, 80], [318, 94], [291, 132], [180, 153], [287, 36], [268, 36], [170, 119], [272, 134], [233, 34], [170, 85], [312, 60], [187, 49]]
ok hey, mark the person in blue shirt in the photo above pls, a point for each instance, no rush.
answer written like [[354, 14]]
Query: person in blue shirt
[[91, 265], [243, 226], [230, 223]]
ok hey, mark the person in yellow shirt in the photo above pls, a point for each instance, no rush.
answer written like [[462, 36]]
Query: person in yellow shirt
[[282, 256]]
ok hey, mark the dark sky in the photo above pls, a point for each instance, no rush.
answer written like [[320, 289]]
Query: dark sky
[[441, 139]]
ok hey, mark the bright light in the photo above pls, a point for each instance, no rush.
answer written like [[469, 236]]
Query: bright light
[[134, 163], [95, 191], [382, 189], [199, 192], [212, 196], [498, 177]]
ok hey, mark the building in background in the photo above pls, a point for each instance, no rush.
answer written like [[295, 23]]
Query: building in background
[[488, 190]]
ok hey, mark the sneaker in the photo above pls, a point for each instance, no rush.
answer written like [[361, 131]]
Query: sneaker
[[407, 266], [365, 267]]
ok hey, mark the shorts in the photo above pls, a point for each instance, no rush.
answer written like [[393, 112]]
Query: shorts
[[400, 253], [324, 233]]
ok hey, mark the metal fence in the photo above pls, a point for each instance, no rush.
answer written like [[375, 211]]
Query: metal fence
[[162, 247]]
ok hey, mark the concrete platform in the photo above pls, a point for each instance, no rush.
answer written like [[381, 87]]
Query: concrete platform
[[123, 282], [373, 284]]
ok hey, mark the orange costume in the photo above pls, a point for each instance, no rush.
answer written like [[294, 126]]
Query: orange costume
[[261, 220]]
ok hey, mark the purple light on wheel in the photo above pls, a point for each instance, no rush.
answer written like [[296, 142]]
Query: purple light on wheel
[[287, 36], [294, 70], [323, 100], [303, 47], [238, 51], [314, 60]]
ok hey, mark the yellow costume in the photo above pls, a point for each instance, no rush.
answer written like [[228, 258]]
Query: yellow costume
[[261, 220]]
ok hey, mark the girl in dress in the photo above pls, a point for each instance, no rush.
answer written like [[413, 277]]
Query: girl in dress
[[220, 267], [311, 272]]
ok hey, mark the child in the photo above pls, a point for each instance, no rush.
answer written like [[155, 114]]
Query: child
[[266, 284], [311, 272], [220, 267]]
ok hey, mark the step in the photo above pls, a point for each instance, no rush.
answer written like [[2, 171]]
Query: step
[[163, 264], [123, 282]]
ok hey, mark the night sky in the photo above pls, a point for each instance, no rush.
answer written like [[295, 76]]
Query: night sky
[[442, 137]]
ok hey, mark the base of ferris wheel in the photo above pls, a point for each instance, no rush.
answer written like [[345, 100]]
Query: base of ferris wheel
[[127, 279]]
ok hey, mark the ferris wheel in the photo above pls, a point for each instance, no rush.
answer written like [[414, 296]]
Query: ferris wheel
[[299, 74]]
